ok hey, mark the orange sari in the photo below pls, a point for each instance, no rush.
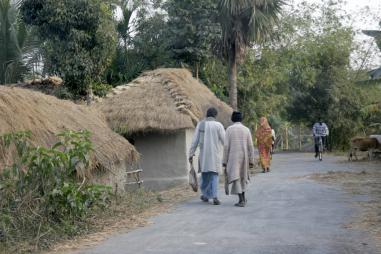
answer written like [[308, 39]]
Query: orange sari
[[264, 142]]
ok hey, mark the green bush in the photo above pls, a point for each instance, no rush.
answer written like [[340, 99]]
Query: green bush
[[40, 195], [63, 93], [100, 89]]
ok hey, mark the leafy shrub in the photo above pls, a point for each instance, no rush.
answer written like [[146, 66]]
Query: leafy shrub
[[40, 195], [63, 93], [100, 89]]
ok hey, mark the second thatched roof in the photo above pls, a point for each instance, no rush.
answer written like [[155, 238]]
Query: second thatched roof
[[46, 116], [162, 100]]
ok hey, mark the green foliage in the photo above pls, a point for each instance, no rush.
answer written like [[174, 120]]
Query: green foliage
[[173, 34], [79, 37], [213, 74], [18, 46], [319, 78], [63, 93], [193, 30], [244, 23], [147, 51], [39, 194], [302, 75], [261, 85], [100, 89]]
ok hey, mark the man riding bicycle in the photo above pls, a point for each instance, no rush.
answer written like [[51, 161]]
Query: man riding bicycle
[[320, 130]]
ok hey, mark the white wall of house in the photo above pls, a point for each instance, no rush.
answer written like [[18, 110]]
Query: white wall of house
[[164, 158], [114, 176]]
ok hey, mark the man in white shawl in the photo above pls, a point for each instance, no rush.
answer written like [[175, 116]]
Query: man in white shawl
[[209, 135], [238, 157]]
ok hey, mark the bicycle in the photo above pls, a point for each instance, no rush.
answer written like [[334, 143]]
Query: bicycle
[[319, 141]]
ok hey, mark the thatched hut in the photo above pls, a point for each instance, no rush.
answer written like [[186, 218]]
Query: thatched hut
[[45, 116], [158, 113]]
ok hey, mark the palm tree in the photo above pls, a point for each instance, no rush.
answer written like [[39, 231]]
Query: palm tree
[[18, 47], [244, 22], [126, 24]]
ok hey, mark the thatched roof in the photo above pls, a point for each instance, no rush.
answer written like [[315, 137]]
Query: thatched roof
[[49, 85], [45, 116], [161, 100]]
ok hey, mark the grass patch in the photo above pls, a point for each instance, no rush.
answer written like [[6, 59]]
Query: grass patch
[[364, 182]]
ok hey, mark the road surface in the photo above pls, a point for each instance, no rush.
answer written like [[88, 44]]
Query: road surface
[[285, 214]]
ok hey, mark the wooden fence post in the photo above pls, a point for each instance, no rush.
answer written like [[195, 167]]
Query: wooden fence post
[[286, 130], [300, 137]]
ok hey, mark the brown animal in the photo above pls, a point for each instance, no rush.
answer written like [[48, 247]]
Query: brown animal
[[363, 145]]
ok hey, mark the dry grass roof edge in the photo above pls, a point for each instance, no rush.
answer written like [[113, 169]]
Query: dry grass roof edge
[[162, 100], [45, 116]]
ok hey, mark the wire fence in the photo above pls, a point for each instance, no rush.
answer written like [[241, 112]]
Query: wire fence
[[294, 138]]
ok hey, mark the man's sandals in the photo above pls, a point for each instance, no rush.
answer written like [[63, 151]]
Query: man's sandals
[[215, 200], [240, 204], [204, 199]]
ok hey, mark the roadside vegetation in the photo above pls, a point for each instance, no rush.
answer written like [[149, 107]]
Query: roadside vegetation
[[40, 196], [47, 196]]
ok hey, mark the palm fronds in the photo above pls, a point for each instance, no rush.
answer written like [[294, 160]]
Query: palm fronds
[[18, 46], [246, 21]]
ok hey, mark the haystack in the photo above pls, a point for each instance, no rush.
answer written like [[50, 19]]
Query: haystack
[[158, 112], [45, 116]]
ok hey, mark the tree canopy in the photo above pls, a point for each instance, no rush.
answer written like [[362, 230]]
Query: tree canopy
[[79, 38], [291, 63]]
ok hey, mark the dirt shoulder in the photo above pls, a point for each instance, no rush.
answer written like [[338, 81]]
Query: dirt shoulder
[[131, 211], [366, 184]]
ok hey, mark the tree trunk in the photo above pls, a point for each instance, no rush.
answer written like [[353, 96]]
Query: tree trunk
[[89, 97], [232, 75], [197, 67]]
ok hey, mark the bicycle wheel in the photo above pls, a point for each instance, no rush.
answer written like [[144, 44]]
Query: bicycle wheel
[[321, 149]]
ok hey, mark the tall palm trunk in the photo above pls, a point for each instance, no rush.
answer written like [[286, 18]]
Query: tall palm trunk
[[5, 29], [232, 75]]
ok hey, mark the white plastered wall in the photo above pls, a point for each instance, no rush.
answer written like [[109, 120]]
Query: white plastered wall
[[164, 158]]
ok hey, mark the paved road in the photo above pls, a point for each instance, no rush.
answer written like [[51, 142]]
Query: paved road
[[286, 214]]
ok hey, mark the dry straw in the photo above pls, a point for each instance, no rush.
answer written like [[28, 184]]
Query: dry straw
[[45, 116], [162, 100]]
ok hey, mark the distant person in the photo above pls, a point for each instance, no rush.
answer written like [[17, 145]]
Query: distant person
[[238, 157], [264, 143], [209, 136], [320, 129]]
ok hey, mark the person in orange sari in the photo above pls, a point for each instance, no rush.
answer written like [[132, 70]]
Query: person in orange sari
[[264, 142]]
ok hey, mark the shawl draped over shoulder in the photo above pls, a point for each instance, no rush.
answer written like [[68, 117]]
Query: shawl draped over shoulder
[[264, 134]]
